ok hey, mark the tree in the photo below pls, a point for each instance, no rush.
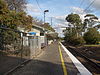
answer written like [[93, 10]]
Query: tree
[[97, 26], [47, 26], [92, 36], [17, 5], [24, 21], [52, 36], [6, 36], [90, 20], [72, 38], [73, 32], [37, 21], [75, 21], [3, 11], [12, 20]]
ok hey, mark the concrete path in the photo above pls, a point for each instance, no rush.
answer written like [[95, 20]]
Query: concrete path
[[52, 61]]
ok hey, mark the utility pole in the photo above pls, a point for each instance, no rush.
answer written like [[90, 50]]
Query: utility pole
[[51, 21], [44, 17], [44, 14]]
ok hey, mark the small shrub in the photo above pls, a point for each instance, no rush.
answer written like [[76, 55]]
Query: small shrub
[[74, 40], [92, 36], [78, 41]]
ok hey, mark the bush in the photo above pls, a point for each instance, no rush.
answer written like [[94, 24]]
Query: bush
[[92, 36], [78, 41], [74, 40]]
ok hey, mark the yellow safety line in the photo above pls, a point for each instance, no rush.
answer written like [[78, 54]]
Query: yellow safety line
[[62, 61]]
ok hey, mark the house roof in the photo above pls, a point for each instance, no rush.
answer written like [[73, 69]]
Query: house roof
[[38, 27]]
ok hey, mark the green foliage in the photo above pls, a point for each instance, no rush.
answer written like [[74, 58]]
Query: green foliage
[[90, 20], [74, 19], [47, 26], [92, 36], [78, 41], [9, 36], [3, 7], [24, 20], [73, 32], [52, 36], [12, 20], [73, 39], [92, 16], [69, 35], [49, 37], [76, 23], [97, 26], [16, 5]]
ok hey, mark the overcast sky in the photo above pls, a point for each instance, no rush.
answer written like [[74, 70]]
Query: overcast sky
[[59, 9]]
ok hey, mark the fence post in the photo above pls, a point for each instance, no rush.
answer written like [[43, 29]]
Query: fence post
[[21, 46]]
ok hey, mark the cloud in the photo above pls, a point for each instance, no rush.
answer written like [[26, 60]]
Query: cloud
[[61, 20], [80, 11], [96, 4], [32, 8], [77, 10]]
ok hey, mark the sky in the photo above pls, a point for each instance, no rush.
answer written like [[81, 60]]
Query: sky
[[59, 9]]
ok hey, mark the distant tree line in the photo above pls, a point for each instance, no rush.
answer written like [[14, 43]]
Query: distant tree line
[[81, 32]]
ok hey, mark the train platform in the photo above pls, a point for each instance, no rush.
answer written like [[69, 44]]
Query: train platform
[[55, 59]]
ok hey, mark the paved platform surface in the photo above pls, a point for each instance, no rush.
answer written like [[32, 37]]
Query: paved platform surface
[[8, 62], [49, 63]]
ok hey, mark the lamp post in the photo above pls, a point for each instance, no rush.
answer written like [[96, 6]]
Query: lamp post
[[44, 14], [51, 21], [46, 41]]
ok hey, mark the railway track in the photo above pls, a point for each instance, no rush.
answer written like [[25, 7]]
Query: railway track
[[88, 63]]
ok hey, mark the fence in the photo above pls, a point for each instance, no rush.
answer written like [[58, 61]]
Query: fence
[[16, 47], [16, 43], [35, 46]]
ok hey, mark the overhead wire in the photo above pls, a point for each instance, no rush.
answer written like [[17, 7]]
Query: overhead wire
[[89, 5], [70, 8], [39, 5], [80, 5], [82, 1], [42, 9]]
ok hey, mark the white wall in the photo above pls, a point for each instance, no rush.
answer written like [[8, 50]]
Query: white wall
[[35, 30]]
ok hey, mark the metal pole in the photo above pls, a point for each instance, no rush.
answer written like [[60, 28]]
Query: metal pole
[[44, 17], [44, 14], [51, 21]]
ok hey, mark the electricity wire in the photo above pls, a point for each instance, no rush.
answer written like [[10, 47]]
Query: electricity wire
[[39, 5], [89, 5]]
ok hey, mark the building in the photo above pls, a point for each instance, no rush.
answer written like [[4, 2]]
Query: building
[[34, 39]]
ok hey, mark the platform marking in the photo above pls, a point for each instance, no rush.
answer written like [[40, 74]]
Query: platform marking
[[62, 61], [77, 63]]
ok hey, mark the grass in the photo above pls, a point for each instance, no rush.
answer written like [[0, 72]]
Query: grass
[[91, 45]]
